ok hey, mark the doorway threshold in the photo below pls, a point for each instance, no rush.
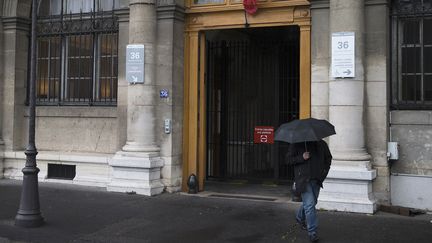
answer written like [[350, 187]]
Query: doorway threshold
[[246, 197], [245, 190]]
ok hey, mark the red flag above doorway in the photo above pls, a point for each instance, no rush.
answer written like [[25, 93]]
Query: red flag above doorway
[[250, 6]]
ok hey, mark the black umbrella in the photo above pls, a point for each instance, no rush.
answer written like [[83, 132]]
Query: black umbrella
[[304, 130]]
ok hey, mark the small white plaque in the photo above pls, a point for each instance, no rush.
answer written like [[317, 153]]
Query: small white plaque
[[135, 63], [343, 55]]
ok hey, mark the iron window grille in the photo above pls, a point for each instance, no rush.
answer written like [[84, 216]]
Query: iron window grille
[[77, 60], [411, 53]]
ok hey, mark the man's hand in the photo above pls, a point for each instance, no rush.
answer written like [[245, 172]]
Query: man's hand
[[306, 155]]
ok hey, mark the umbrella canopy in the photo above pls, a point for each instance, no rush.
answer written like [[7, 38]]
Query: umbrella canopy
[[304, 130]]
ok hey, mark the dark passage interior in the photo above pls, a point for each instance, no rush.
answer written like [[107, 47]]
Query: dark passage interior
[[252, 79]]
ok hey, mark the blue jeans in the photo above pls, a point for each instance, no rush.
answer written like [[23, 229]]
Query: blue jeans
[[307, 211]]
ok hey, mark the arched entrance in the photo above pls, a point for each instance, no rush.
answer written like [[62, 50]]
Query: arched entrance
[[203, 22]]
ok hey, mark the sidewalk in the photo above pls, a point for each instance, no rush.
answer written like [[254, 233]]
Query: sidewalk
[[87, 214]]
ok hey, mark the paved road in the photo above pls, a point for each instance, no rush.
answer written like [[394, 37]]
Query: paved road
[[86, 214]]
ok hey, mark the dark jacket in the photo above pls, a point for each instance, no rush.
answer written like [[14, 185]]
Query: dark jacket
[[315, 168]]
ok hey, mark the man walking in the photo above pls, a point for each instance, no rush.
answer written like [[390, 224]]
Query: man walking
[[311, 161]]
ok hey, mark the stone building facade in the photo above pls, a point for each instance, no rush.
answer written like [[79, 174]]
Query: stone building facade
[[149, 137]]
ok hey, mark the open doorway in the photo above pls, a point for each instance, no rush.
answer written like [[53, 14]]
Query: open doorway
[[252, 80]]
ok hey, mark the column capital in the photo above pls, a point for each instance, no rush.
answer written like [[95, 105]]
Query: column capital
[[170, 10], [136, 2], [376, 2], [305, 28], [122, 14], [16, 23]]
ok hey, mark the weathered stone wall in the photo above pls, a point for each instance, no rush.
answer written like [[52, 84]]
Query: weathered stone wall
[[92, 169], [82, 136], [413, 170], [376, 98], [413, 131], [77, 129], [169, 74]]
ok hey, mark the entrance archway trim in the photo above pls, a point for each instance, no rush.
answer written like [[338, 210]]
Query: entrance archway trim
[[194, 132]]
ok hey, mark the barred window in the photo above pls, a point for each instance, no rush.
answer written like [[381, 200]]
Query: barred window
[[77, 52], [411, 54]]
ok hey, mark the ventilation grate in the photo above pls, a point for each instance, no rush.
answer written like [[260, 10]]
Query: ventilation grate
[[58, 171]]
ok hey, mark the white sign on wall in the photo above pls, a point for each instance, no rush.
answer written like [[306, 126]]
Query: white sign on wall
[[135, 63], [343, 55]]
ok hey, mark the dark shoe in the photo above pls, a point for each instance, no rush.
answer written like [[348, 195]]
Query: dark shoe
[[313, 237], [302, 224]]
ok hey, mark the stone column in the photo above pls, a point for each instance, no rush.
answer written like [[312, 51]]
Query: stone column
[[137, 167], [349, 184], [141, 97]]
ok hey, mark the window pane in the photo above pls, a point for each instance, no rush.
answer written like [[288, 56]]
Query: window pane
[[55, 51], [411, 31], [55, 67], [77, 6], [68, 58], [427, 4], [412, 70], [411, 60], [411, 88], [53, 7], [79, 68], [44, 9], [108, 66], [427, 87], [427, 31], [107, 5], [427, 61], [42, 82], [86, 6], [48, 68]]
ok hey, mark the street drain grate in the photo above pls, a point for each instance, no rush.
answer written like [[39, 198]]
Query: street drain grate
[[243, 197]]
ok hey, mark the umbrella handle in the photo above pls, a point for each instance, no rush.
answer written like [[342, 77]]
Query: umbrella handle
[[305, 146]]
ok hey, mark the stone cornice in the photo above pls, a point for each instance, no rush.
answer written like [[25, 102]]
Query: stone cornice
[[165, 2], [376, 2], [150, 2], [122, 14], [16, 23], [168, 9], [318, 4]]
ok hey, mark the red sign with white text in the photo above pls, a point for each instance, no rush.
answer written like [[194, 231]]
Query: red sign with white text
[[264, 134]]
